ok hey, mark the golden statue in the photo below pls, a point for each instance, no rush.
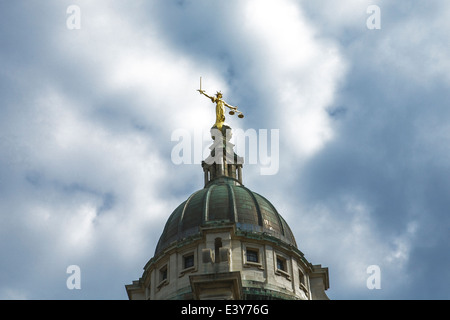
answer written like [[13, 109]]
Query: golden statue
[[220, 107]]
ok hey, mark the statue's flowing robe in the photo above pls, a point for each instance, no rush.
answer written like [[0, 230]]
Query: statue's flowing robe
[[220, 112]]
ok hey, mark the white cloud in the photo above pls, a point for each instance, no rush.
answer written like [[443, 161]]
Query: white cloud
[[298, 71], [70, 166], [337, 17], [346, 238], [137, 60]]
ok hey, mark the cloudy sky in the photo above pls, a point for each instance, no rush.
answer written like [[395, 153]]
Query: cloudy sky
[[88, 111]]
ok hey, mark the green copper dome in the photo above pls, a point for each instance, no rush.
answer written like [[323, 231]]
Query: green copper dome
[[224, 200]]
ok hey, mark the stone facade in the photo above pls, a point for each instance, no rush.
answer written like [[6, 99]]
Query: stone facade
[[225, 263]]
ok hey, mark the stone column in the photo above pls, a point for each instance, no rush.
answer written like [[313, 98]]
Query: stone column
[[239, 171]]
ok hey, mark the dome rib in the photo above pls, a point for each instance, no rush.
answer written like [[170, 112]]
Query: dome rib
[[257, 207], [205, 209], [186, 203], [232, 198]]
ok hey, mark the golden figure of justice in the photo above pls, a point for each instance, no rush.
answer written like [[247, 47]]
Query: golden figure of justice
[[220, 107]]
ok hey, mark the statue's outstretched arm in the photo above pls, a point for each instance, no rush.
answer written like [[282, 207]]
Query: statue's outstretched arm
[[231, 107], [203, 92]]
